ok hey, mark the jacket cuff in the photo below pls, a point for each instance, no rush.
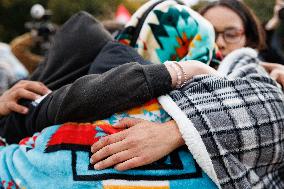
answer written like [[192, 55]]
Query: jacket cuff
[[158, 79]]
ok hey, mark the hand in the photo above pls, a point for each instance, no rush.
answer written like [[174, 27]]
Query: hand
[[30, 90], [142, 143], [191, 68], [273, 23], [276, 71]]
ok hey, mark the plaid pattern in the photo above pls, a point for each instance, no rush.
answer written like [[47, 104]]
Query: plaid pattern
[[240, 118]]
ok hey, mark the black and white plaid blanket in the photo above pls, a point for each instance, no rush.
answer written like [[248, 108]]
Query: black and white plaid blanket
[[240, 118]]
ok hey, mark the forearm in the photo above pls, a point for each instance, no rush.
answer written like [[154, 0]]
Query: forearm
[[94, 97], [99, 96], [89, 98]]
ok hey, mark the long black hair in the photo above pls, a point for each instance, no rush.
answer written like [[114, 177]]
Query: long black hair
[[254, 31]]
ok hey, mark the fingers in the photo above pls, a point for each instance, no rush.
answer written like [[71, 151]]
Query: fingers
[[107, 141], [26, 94], [131, 163], [127, 122], [280, 80], [113, 160], [108, 151], [269, 67], [278, 75], [13, 106], [34, 86]]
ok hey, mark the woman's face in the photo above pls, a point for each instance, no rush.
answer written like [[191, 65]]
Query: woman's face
[[229, 29]]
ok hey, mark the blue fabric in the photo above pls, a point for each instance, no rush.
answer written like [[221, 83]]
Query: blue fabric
[[58, 157]]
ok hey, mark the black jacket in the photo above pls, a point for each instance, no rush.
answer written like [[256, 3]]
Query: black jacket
[[93, 96]]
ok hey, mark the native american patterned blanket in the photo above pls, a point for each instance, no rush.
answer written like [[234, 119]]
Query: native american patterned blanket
[[166, 30], [58, 157]]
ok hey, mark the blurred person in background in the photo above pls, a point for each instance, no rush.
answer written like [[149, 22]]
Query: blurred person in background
[[236, 26], [275, 35], [30, 48], [11, 70]]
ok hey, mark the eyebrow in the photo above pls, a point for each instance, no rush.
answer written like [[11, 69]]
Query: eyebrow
[[229, 28]]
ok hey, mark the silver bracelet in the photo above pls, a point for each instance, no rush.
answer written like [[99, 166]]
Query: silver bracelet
[[177, 71], [183, 72]]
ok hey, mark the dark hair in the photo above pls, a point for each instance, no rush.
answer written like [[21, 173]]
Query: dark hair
[[254, 31]]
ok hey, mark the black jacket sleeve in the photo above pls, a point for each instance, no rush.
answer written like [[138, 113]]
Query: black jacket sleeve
[[91, 97]]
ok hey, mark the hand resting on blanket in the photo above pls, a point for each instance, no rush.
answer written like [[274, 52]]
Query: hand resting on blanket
[[143, 142]]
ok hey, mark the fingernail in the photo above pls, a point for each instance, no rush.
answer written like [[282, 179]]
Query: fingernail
[[25, 110], [91, 161], [97, 166]]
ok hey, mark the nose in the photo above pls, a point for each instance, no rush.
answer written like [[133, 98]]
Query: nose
[[220, 41]]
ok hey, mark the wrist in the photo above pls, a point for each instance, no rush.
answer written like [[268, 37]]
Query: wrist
[[177, 140], [172, 74]]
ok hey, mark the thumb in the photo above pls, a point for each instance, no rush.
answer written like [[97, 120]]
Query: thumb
[[127, 122], [274, 74], [280, 80]]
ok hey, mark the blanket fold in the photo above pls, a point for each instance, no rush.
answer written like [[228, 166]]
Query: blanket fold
[[240, 118]]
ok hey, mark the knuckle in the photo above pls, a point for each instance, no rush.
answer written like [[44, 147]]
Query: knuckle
[[144, 159], [14, 94], [132, 142], [130, 164], [25, 84], [135, 151], [105, 140], [31, 85], [18, 92], [9, 105], [117, 159], [21, 82], [94, 158], [106, 151], [103, 163]]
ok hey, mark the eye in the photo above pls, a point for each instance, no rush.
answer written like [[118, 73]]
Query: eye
[[231, 33]]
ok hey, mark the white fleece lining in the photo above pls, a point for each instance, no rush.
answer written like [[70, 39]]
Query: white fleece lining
[[230, 59], [191, 137]]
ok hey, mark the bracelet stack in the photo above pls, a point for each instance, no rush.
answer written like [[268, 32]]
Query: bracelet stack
[[180, 73], [184, 74]]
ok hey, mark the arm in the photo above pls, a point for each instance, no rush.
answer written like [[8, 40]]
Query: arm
[[145, 142], [88, 98], [273, 23], [124, 87]]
